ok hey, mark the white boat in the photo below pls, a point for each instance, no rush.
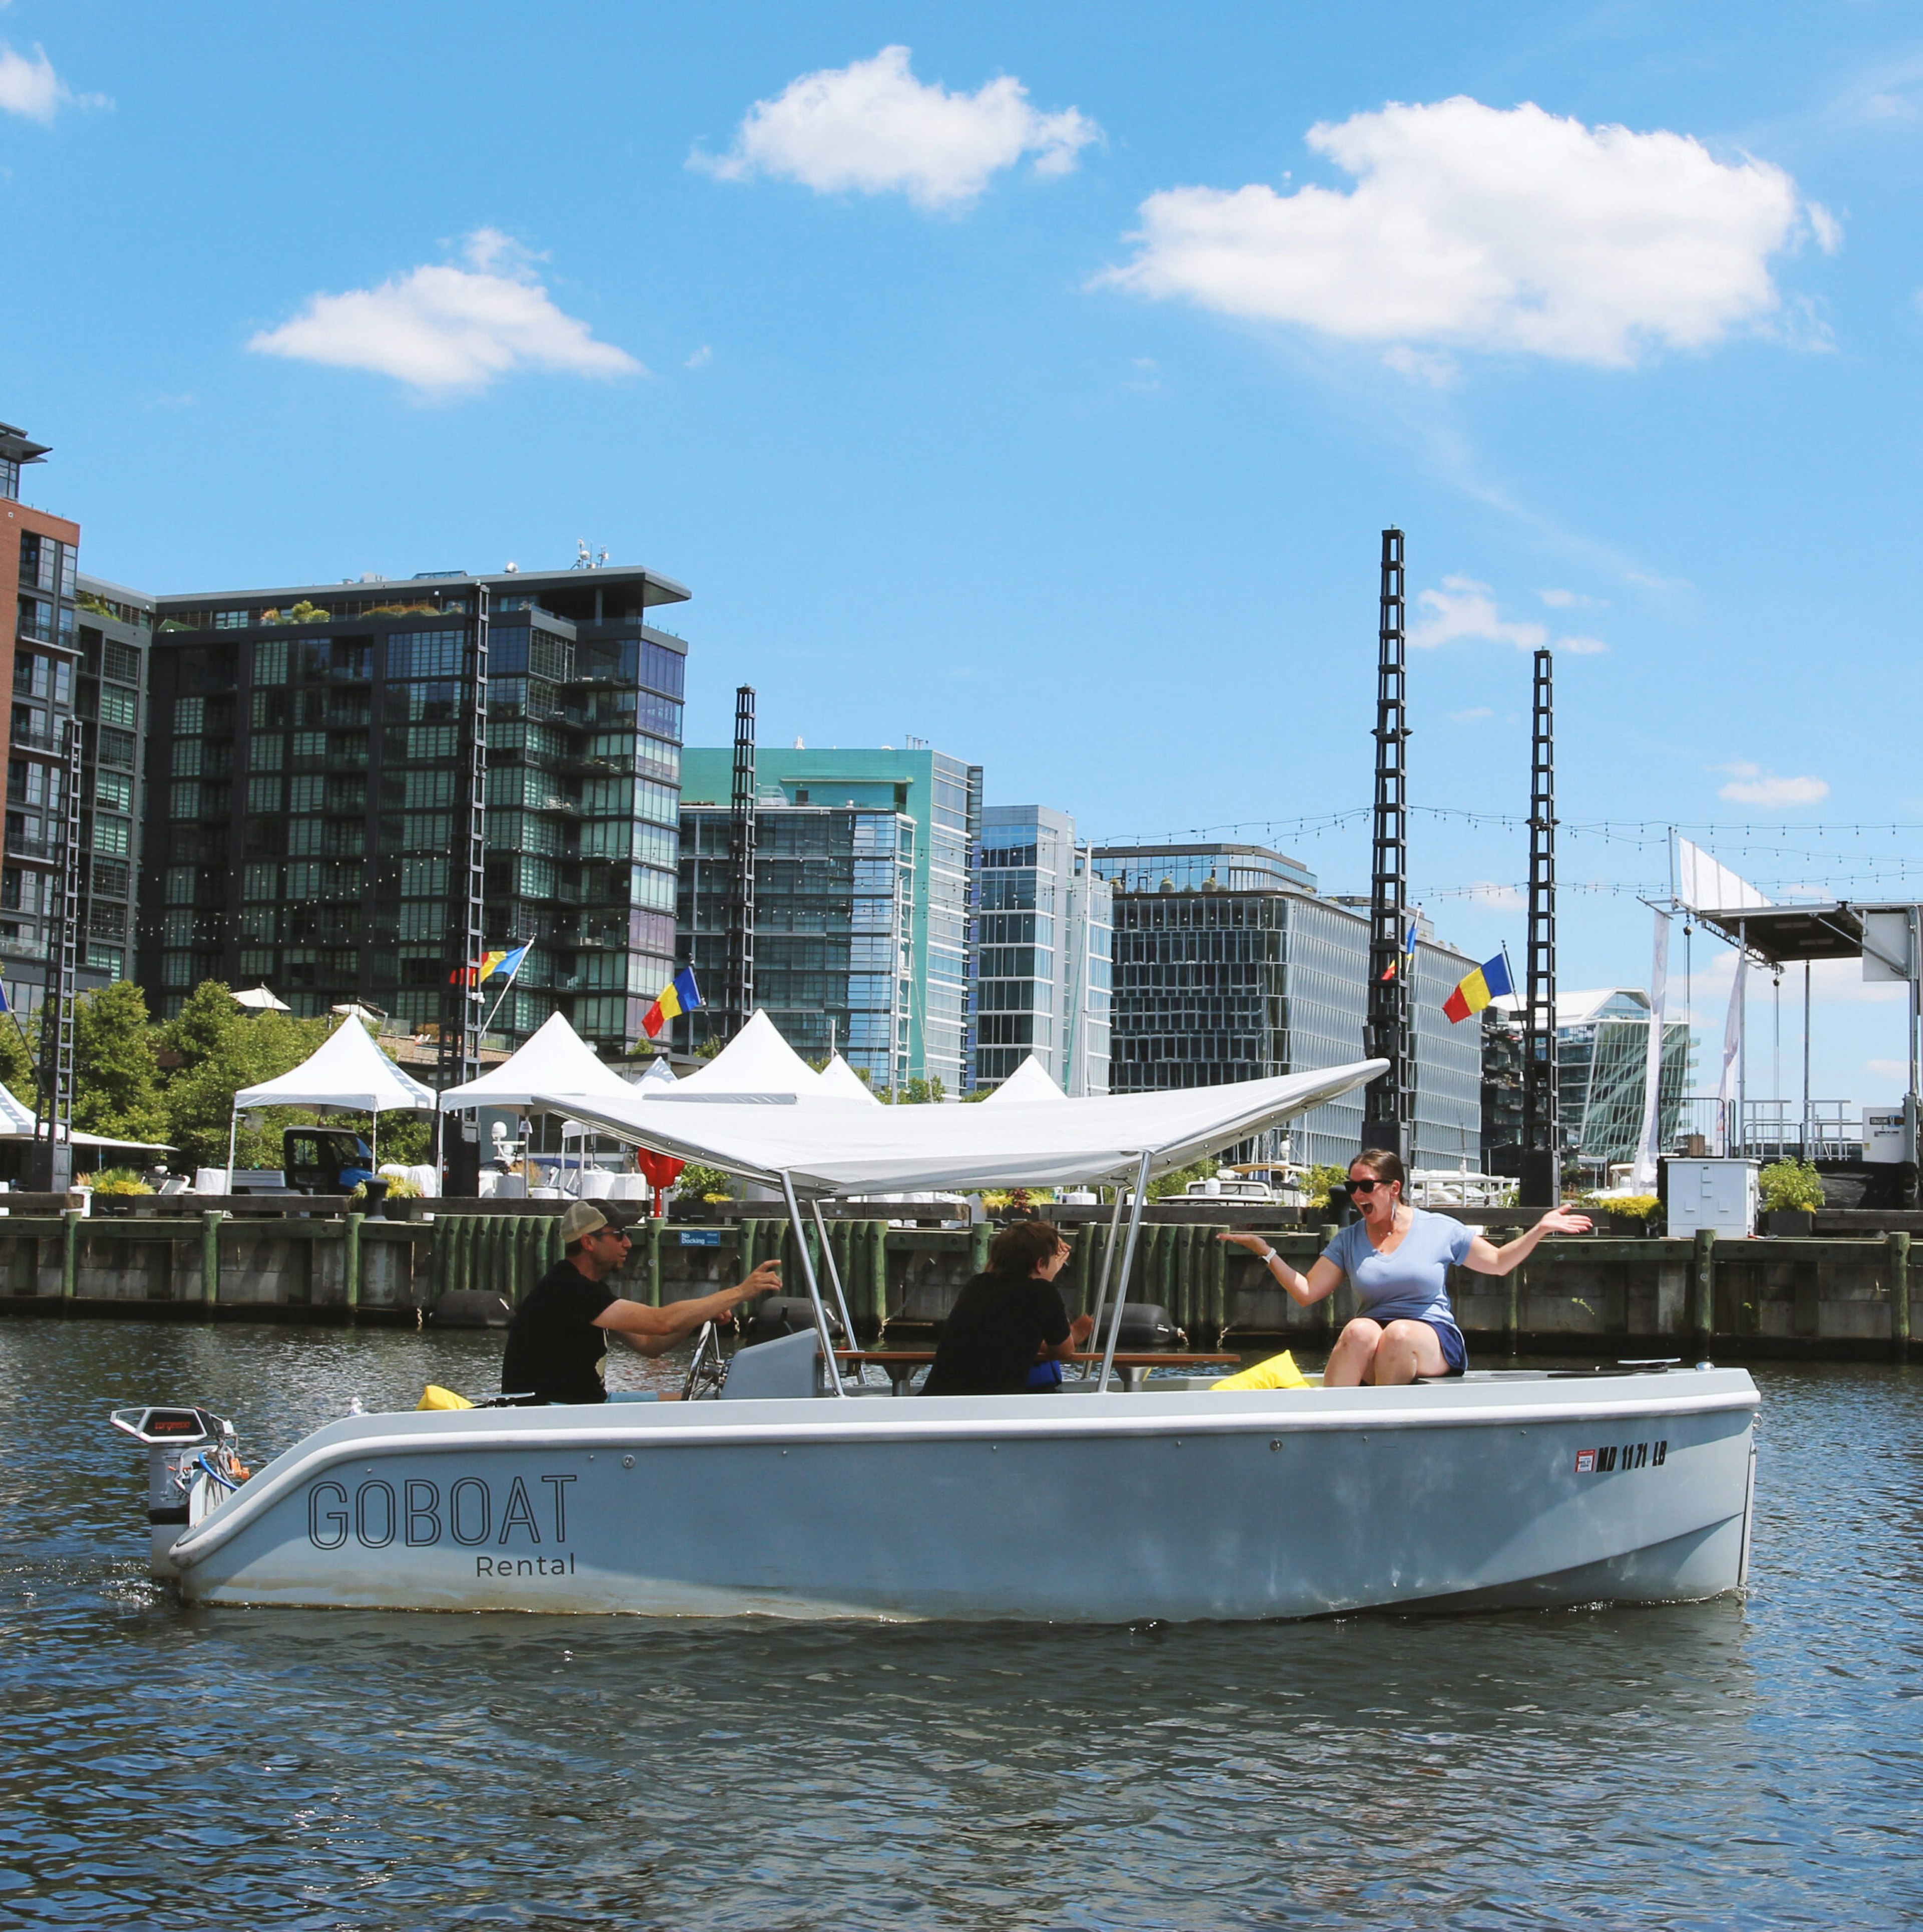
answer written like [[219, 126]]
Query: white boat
[[800, 1493], [1497, 1490]]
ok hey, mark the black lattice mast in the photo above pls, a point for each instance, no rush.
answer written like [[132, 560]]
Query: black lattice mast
[[738, 983], [53, 1112], [1541, 1135], [1388, 1104], [458, 1060]]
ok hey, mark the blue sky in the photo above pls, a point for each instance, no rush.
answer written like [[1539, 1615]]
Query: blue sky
[[1042, 389]]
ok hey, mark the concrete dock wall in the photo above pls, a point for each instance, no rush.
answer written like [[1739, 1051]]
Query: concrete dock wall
[[1846, 1297]]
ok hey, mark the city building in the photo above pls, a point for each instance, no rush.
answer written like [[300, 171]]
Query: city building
[[835, 929], [1501, 1090], [305, 773], [907, 984], [116, 628], [1602, 1050], [1043, 920], [72, 731], [1228, 966]]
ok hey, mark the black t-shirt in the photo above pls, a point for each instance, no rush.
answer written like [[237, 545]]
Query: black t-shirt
[[554, 1351], [990, 1343]]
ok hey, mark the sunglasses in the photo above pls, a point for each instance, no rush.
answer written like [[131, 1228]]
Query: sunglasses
[[613, 1235], [1367, 1187]]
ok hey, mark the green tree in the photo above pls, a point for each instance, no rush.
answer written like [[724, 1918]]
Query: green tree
[[218, 1048], [116, 1074], [916, 1093], [17, 1061]]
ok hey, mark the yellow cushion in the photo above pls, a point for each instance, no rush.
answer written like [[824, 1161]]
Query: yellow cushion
[[435, 1396], [1279, 1372]]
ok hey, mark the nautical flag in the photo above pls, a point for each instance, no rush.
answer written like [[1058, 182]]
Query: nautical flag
[[1490, 981], [680, 995], [502, 959], [509, 963], [1408, 951]]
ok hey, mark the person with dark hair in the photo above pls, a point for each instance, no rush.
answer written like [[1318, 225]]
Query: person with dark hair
[[557, 1342], [1397, 1258], [1008, 1319]]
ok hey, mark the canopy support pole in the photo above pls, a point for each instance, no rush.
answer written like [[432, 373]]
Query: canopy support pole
[[1128, 1262], [814, 1288], [834, 1271], [1108, 1266], [233, 1128]]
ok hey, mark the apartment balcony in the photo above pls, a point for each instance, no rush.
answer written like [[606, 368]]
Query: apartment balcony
[[20, 845]]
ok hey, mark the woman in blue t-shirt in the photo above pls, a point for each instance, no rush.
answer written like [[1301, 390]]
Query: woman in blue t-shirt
[[1397, 1258]]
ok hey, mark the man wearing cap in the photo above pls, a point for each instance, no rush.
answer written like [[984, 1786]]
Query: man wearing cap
[[557, 1342]]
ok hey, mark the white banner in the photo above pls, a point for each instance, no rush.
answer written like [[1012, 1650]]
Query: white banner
[[1643, 1175], [1703, 886], [1732, 1037]]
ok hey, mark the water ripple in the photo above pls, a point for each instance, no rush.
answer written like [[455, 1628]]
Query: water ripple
[[1753, 1764]]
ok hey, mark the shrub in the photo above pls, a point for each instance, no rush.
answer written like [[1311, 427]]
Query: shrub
[[1320, 1179], [1630, 1206], [703, 1184], [119, 1180], [1791, 1185]]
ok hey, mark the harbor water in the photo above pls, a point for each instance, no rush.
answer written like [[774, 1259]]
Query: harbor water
[[1752, 1763]]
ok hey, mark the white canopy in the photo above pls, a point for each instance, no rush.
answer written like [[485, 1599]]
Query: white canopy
[[555, 1058], [1030, 1082], [260, 1001], [346, 1071], [832, 1147], [757, 1064], [840, 1082]]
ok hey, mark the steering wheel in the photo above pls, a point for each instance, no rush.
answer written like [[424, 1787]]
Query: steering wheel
[[708, 1369]]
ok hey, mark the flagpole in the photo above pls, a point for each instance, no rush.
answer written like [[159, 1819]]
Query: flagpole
[[487, 1023]]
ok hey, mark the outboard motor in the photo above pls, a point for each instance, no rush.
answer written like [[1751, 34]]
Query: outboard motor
[[191, 1469], [780, 1314], [1147, 1328]]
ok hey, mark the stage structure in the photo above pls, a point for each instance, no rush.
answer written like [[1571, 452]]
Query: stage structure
[[1542, 1151], [458, 1060], [53, 1110], [738, 989], [1388, 1109]]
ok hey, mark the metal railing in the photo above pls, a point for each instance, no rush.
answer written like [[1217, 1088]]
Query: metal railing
[[1770, 1129]]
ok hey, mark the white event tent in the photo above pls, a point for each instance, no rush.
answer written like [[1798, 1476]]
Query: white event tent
[[554, 1059], [772, 1124], [347, 1073], [840, 1082], [1030, 1082]]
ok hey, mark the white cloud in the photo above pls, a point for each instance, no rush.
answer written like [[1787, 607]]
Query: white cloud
[[1489, 229], [873, 128], [31, 87], [1470, 716], [1464, 608], [700, 358], [1499, 898], [1750, 785], [1561, 600], [442, 329]]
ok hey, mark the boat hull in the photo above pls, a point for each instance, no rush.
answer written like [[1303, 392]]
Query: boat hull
[[1079, 1509]]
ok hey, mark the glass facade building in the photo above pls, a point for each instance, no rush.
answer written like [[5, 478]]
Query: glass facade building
[[1214, 984], [942, 799], [1042, 934], [835, 928], [303, 781], [75, 654], [1602, 1050]]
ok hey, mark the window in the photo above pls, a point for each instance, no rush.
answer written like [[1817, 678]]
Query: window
[[427, 653], [108, 959], [260, 882], [306, 792], [177, 970], [111, 834], [184, 801], [111, 879], [432, 791], [263, 796], [118, 707], [422, 919], [189, 716], [180, 885], [186, 758], [267, 752], [304, 838], [422, 878], [270, 662], [116, 748], [114, 791], [121, 662]]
